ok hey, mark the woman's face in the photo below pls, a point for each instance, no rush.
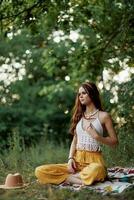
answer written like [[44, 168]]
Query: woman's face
[[83, 96]]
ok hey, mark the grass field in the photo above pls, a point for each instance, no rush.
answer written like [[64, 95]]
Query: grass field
[[24, 161]]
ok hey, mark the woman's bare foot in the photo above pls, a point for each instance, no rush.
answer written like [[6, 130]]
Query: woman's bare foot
[[74, 179]]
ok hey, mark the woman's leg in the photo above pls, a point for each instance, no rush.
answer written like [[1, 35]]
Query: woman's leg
[[93, 172], [52, 173], [58, 173]]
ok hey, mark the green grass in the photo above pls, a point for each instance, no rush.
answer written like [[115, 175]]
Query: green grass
[[24, 161], [36, 191]]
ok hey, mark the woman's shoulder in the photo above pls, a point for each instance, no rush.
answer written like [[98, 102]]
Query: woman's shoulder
[[103, 115]]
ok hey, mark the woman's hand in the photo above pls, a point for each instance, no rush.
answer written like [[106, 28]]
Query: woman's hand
[[91, 131], [71, 165]]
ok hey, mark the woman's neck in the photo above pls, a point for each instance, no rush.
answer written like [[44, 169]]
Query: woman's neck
[[90, 109], [90, 112]]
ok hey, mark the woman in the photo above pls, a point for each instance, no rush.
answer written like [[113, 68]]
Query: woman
[[85, 162]]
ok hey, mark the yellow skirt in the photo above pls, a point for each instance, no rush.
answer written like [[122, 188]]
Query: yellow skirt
[[90, 165]]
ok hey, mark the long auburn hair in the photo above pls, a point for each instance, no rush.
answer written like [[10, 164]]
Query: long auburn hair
[[79, 109]]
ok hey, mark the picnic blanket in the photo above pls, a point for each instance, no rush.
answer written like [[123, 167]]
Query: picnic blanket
[[119, 178]]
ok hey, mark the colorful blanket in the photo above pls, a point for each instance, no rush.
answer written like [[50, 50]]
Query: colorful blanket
[[118, 180]]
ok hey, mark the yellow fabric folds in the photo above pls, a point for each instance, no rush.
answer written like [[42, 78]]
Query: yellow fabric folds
[[87, 157], [90, 165]]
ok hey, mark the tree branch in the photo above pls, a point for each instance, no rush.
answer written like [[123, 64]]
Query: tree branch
[[19, 13]]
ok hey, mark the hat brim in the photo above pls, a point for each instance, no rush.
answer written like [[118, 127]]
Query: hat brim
[[14, 187]]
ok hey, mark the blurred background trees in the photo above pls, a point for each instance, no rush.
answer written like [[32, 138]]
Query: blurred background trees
[[47, 49]]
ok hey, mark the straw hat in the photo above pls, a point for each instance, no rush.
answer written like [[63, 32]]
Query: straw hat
[[13, 181]]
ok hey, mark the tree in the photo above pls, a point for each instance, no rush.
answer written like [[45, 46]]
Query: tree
[[57, 45]]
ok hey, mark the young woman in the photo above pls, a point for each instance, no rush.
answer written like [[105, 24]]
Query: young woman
[[85, 161]]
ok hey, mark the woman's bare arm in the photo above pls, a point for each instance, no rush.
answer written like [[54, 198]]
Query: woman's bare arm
[[71, 161], [73, 147], [111, 139]]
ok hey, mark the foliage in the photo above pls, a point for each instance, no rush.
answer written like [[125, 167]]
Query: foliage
[[122, 113], [47, 49]]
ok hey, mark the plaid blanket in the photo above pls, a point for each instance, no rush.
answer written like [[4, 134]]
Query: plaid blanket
[[118, 180]]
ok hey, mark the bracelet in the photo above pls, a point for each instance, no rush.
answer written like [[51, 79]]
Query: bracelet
[[70, 158]]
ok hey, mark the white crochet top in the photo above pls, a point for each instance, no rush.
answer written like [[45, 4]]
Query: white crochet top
[[84, 140]]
